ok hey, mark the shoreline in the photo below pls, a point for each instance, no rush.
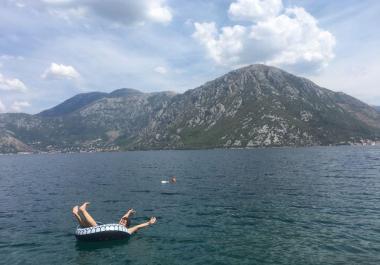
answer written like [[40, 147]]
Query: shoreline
[[192, 149]]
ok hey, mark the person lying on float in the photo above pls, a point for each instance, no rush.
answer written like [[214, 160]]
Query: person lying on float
[[86, 220]]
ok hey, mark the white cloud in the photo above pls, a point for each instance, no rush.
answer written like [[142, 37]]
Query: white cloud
[[356, 75], [60, 71], [11, 84], [254, 9], [223, 47], [7, 57], [20, 5], [158, 11], [68, 14], [291, 39], [118, 11], [2, 107], [294, 38], [17, 106], [160, 70]]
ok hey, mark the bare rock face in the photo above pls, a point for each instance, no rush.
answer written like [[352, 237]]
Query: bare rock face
[[9, 144], [255, 106]]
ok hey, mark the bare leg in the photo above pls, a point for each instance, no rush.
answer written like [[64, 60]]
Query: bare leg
[[77, 216], [86, 216], [135, 228]]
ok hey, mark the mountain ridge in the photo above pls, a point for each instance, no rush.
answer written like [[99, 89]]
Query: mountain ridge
[[254, 106], [376, 108]]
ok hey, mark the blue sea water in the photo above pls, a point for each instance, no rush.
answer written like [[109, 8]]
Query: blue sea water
[[262, 206]]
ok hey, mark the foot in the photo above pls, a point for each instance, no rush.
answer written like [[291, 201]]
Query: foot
[[83, 207], [75, 210], [152, 220]]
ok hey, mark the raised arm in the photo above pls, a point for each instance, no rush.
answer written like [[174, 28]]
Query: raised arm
[[124, 218], [134, 229]]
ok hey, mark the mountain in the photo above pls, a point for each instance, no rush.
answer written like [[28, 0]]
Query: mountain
[[255, 106], [73, 104], [82, 123], [81, 100], [259, 106], [376, 108]]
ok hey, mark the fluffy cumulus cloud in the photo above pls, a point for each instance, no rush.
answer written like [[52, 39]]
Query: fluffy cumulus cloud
[[60, 71], [158, 11], [11, 84], [254, 10], [118, 11], [223, 46], [287, 37], [18, 106]]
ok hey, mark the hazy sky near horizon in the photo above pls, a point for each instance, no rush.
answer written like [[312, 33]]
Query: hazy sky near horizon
[[51, 50]]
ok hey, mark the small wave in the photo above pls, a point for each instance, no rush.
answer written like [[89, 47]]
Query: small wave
[[352, 249], [111, 201], [284, 220], [295, 194], [313, 207], [170, 193], [346, 177], [199, 226], [248, 193], [45, 232], [377, 230], [326, 222], [140, 191], [24, 245], [7, 215]]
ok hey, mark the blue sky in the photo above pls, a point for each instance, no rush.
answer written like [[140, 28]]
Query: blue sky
[[51, 50]]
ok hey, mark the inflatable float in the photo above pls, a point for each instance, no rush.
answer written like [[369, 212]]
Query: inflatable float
[[102, 232]]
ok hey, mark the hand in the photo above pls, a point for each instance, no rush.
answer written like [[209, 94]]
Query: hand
[[152, 220], [131, 211]]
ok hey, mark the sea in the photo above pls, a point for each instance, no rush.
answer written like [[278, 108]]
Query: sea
[[315, 205]]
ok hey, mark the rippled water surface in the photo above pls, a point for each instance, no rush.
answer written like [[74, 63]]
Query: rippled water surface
[[263, 206]]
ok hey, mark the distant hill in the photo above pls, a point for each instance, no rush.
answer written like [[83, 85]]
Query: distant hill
[[73, 104], [255, 106]]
